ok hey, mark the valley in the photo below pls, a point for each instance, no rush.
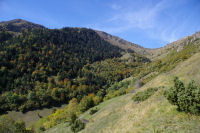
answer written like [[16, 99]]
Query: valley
[[93, 76]]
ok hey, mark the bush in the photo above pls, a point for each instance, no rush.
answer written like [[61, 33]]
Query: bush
[[86, 103], [76, 124], [114, 93], [142, 96], [187, 99], [93, 111]]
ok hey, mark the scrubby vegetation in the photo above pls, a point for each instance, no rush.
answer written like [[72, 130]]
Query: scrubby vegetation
[[143, 95], [69, 114], [187, 99], [117, 89]]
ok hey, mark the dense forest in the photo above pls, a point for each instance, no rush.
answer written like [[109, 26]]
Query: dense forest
[[41, 67]]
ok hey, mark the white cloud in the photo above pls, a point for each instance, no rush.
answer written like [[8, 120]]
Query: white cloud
[[148, 19], [124, 20], [143, 18]]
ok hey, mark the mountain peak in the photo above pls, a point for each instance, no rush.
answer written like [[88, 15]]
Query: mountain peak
[[18, 25]]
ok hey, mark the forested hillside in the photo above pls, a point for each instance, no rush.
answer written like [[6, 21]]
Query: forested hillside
[[40, 67], [112, 69]]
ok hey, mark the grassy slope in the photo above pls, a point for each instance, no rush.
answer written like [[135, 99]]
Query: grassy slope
[[31, 117], [152, 115], [120, 114]]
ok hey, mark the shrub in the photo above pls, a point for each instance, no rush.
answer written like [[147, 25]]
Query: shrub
[[187, 99], [93, 111], [42, 128], [86, 103], [114, 93], [76, 124], [73, 118], [142, 96]]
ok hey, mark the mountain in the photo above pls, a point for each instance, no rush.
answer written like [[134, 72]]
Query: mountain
[[18, 25]]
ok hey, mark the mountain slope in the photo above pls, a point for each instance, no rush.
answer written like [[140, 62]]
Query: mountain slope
[[154, 114], [123, 43]]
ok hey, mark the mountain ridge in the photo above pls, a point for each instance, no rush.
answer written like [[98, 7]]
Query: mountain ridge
[[18, 25]]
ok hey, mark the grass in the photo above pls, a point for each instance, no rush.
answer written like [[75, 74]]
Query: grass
[[61, 128], [31, 117]]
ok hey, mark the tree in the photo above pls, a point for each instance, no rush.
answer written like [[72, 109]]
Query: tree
[[72, 106], [86, 103], [77, 126], [187, 99], [32, 96], [20, 127], [73, 118]]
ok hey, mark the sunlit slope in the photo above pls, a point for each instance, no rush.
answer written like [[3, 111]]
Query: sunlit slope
[[153, 115]]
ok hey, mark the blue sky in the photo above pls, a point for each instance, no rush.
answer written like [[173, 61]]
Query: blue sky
[[149, 23]]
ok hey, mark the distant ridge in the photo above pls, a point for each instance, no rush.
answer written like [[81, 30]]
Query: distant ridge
[[150, 53], [123, 43]]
